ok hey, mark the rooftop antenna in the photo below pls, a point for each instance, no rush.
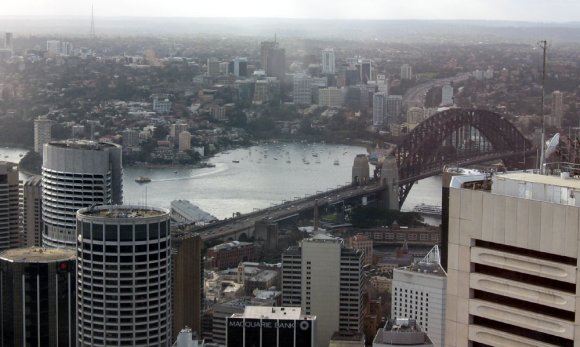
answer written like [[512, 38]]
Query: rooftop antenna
[[92, 23], [544, 46]]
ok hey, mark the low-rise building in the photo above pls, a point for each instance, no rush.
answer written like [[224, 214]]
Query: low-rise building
[[402, 332], [230, 254]]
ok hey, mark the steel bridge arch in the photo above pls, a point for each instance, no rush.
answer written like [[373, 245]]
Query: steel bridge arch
[[420, 154]]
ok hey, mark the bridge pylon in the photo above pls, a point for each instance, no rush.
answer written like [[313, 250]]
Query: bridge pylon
[[390, 180]]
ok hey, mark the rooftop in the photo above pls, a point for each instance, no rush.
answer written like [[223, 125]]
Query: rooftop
[[265, 312], [122, 211], [83, 144], [37, 255], [230, 245]]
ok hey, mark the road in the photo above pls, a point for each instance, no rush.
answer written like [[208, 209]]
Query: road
[[416, 95]]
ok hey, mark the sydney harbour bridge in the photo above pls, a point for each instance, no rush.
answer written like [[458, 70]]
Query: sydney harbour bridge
[[454, 137]]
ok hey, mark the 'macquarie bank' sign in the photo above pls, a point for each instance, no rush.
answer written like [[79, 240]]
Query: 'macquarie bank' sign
[[247, 332]]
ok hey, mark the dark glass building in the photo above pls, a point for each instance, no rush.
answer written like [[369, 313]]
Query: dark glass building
[[37, 294]]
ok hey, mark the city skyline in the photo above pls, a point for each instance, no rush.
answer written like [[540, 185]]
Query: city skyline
[[536, 10]]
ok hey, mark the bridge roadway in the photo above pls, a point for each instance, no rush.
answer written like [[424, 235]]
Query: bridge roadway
[[233, 227]]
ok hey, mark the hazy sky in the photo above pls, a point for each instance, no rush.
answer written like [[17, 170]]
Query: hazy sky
[[521, 10]]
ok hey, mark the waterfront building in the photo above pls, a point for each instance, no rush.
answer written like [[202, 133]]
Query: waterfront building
[[328, 64], [31, 209], [260, 326], [379, 109], [230, 254], [184, 141], [312, 280], [37, 295], [124, 276], [302, 90], [447, 95], [130, 138], [406, 72], [9, 206], [187, 278], [362, 243], [183, 211], [330, 97], [177, 128], [402, 332], [77, 174], [513, 245], [418, 292], [42, 133]]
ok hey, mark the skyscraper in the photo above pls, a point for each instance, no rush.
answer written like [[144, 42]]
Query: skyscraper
[[313, 280], [184, 141], [42, 133], [379, 109], [406, 72], [187, 277], [265, 47], [328, 65], [366, 66], [261, 326], [418, 292], [77, 174], [124, 276], [447, 95], [8, 41], [10, 212], [37, 296], [302, 90], [32, 212], [394, 107], [513, 260], [213, 66], [240, 67], [276, 65]]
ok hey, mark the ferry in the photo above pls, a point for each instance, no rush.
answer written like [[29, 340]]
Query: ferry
[[142, 179], [428, 209]]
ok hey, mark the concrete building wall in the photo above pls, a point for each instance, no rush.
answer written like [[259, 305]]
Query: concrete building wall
[[513, 262], [9, 206]]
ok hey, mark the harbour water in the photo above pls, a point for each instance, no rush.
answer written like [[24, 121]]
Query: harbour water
[[251, 178]]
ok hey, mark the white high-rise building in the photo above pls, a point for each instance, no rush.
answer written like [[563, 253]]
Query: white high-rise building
[[447, 95], [328, 64], [383, 84], [325, 279], [77, 174], [42, 133], [406, 72], [124, 276], [418, 292], [379, 109], [302, 90], [512, 268]]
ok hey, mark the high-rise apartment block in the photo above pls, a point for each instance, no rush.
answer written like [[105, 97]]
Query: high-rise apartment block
[[406, 72], [31, 212], [557, 108], [240, 67], [447, 95], [366, 68], [513, 250], [325, 279], [418, 292], [77, 174], [276, 65], [213, 66], [8, 41], [9, 206], [265, 47], [261, 326], [184, 141], [394, 107], [37, 296], [383, 84], [302, 90], [379, 109], [123, 276], [330, 97], [42, 133], [328, 64]]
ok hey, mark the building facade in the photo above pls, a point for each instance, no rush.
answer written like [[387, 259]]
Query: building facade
[[312, 280], [447, 95], [302, 90], [379, 109], [31, 212], [418, 292], [77, 174], [42, 133], [123, 276], [184, 141], [513, 260], [9, 206], [230, 254], [406, 72], [328, 64], [37, 294], [394, 107], [262, 326], [330, 97]]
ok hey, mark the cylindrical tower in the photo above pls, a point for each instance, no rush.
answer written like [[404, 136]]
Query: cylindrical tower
[[37, 294], [124, 276], [77, 174]]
